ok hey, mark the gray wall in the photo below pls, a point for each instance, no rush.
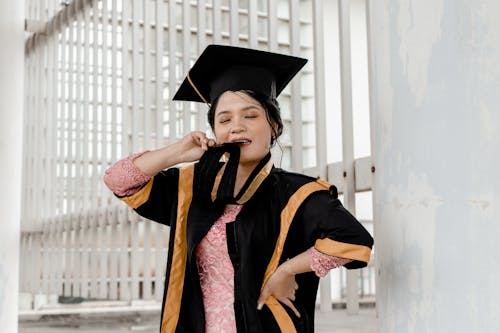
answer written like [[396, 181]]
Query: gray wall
[[11, 111], [436, 144]]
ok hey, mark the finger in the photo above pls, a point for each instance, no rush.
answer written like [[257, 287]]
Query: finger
[[195, 136], [211, 143], [204, 143], [262, 298], [289, 303], [296, 286], [200, 139]]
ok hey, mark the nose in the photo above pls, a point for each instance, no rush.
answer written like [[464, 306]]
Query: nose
[[237, 126]]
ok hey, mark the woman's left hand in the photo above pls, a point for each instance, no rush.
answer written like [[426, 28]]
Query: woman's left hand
[[282, 286]]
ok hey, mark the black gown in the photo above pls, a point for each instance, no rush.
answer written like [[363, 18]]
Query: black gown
[[283, 215]]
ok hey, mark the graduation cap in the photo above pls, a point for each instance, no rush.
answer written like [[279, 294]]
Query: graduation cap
[[221, 68]]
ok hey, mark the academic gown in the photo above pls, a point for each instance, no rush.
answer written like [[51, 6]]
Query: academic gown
[[257, 243]]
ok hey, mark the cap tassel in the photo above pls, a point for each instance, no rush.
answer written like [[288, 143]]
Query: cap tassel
[[196, 90]]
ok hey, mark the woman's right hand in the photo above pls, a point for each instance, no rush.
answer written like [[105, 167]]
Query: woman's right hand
[[188, 149], [194, 145]]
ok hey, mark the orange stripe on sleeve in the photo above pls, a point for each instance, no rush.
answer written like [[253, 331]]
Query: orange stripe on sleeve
[[140, 197], [343, 250]]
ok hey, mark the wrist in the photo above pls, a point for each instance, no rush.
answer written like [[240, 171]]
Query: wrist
[[173, 154], [287, 268]]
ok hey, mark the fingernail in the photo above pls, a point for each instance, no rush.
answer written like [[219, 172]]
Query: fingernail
[[259, 306]]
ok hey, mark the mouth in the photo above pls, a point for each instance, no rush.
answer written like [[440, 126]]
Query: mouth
[[242, 142]]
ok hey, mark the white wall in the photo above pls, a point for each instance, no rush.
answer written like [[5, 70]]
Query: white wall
[[11, 111], [436, 145]]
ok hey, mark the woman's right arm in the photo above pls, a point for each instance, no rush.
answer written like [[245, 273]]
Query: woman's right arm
[[188, 149], [126, 176], [140, 182]]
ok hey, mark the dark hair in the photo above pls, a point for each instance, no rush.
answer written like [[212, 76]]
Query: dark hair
[[270, 105]]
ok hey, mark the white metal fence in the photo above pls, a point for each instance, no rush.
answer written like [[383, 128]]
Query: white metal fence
[[99, 81]]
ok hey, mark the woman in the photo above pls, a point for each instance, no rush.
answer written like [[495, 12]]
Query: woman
[[248, 241]]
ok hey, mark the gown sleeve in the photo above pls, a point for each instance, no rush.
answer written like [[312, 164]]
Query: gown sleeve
[[151, 197], [322, 263], [124, 178], [335, 231]]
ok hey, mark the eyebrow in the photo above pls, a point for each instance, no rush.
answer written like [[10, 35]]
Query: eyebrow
[[246, 108]]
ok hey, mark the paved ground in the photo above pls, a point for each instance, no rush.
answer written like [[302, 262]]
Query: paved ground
[[338, 321]]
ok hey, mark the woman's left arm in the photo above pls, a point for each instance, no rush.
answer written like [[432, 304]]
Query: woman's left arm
[[282, 284], [339, 239]]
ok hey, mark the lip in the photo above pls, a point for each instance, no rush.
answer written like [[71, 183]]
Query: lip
[[241, 141]]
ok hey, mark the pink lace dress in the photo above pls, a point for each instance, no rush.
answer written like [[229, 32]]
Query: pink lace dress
[[213, 262], [217, 275]]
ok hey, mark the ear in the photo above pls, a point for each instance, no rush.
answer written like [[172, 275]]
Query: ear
[[274, 131]]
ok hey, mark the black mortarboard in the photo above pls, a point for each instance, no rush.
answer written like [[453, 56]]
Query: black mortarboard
[[220, 68]]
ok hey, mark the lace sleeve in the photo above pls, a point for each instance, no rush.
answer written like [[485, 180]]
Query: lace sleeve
[[124, 178], [322, 263]]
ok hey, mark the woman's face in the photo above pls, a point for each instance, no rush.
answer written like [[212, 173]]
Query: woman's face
[[241, 119]]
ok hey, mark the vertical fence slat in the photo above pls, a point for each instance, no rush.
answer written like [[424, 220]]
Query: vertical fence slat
[[148, 140], [295, 88], [86, 226], [253, 30], [172, 78], [216, 23], [113, 251], [37, 142], [124, 225], [159, 19], [147, 256], [63, 160], [94, 258], [134, 256], [52, 176], [159, 72], [136, 140], [104, 158], [146, 236], [201, 31], [148, 131], [23, 253], [114, 243], [186, 54], [234, 27], [347, 137], [45, 252], [160, 234], [72, 219], [76, 162], [44, 124], [45, 258], [125, 292], [272, 41], [136, 115], [34, 252], [320, 122]]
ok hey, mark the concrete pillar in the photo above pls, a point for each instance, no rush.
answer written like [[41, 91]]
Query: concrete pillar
[[11, 115], [435, 68]]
